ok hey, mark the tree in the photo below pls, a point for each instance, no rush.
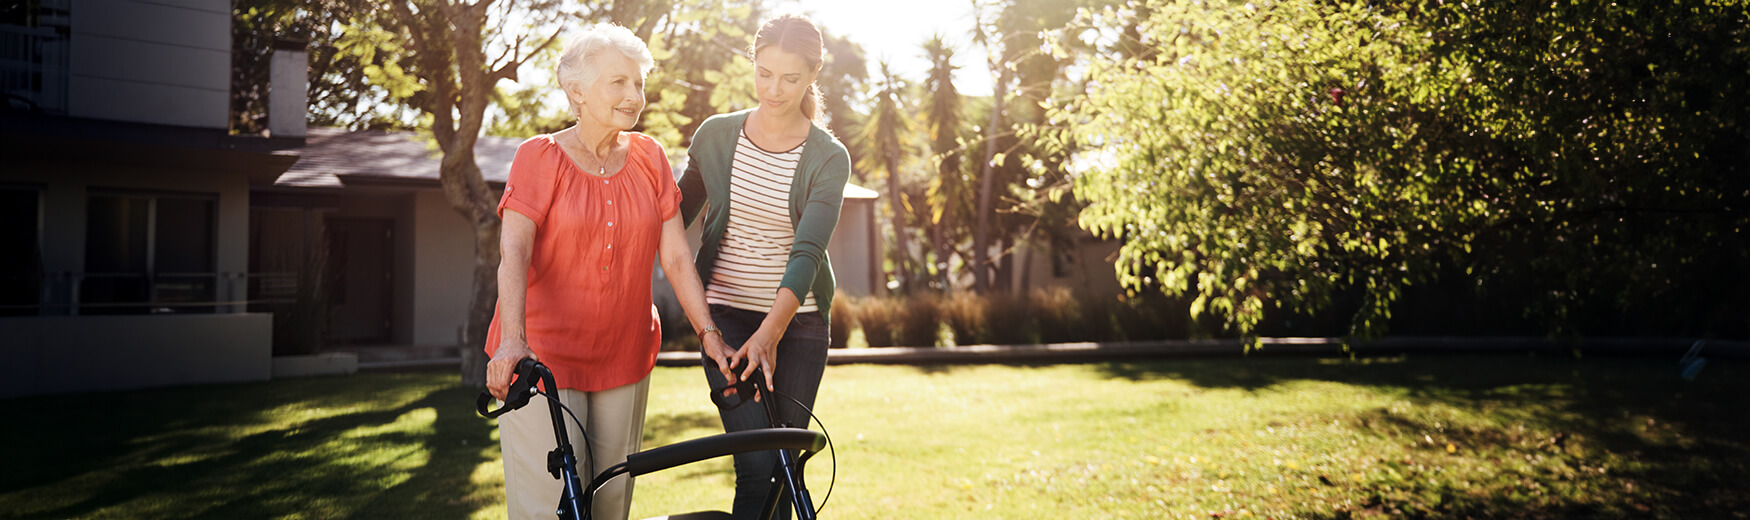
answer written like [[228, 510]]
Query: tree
[[949, 191], [841, 85], [336, 79], [1277, 154], [981, 235], [883, 137], [702, 69], [445, 58], [1012, 33]]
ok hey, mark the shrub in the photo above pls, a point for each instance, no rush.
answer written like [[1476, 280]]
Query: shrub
[[844, 318], [1059, 316], [1054, 315], [918, 321], [1009, 321], [879, 317], [963, 313]]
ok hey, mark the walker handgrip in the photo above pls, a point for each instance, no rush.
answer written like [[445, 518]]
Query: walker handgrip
[[688, 452], [521, 389], [744, 391]]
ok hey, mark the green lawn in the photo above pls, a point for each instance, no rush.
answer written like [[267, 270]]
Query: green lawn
[[1407, 437]]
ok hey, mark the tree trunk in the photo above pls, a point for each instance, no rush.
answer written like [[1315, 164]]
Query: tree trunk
[[939, 239], [1004, 280], [458, 116], [482, 304], [981, 236]]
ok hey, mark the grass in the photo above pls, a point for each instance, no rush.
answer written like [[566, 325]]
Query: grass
[[1402, 437]]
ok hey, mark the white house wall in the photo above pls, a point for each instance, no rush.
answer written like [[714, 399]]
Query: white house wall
[[164, 62], [854, 271], [1089, 273], [443, 270]]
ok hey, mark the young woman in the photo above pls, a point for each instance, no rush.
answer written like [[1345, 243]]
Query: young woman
[[586, 211], [773, 180]]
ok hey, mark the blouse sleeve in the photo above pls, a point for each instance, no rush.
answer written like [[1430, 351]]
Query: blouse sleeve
[[668, 196], [533, 177]]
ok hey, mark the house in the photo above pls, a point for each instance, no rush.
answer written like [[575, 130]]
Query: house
[[1081, 263], [124, 247], [367, 208], [143, 245]]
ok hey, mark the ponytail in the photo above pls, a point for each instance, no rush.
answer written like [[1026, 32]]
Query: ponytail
[[811, 105]]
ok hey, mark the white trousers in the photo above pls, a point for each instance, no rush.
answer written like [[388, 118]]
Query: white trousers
[[615, 420]]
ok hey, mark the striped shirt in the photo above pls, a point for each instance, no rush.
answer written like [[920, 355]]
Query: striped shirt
[[756, 245]]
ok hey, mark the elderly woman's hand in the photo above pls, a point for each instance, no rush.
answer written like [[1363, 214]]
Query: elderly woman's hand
[[713, 346], [504, 361]]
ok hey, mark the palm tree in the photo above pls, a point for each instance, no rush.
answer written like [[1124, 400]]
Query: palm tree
[[942, 114], [882, 137]]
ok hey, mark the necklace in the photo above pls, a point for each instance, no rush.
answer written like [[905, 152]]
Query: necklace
[[601, 164]]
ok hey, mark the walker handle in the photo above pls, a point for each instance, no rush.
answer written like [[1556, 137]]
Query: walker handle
[[744, 391], [522, 387]]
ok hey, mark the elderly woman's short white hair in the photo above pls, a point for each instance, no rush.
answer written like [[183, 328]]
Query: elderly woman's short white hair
[[580, 64]]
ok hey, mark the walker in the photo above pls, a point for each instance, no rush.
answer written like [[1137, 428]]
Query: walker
[[794, 445]]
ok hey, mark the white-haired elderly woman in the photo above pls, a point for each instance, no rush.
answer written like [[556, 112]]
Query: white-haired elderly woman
[[586, 211]]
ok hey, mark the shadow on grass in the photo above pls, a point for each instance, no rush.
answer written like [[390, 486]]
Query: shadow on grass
[[663, 429], [186, 453], [1606, 437]]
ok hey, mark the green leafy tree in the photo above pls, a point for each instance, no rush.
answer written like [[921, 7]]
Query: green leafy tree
[[1010, 198], [336, 80], [445, 59], [997, 59], [702, 68], [1278, 153]]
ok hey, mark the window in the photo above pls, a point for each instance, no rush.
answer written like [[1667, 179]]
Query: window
[[1063, 256], [155, 250], [21, 265]]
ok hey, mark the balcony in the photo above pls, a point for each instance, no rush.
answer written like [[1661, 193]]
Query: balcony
[[33, 68]]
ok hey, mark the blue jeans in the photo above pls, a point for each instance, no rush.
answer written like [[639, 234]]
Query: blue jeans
[[801, 363]]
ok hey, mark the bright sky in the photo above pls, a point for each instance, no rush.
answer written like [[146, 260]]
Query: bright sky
[[896, 30]]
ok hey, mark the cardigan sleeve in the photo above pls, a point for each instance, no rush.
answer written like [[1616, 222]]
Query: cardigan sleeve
[[820, 215], [692, 183]]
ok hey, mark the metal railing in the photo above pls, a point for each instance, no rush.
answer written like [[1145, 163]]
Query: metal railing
[[66, 293]]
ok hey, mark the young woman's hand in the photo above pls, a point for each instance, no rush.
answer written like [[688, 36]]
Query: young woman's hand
[[759, 353]]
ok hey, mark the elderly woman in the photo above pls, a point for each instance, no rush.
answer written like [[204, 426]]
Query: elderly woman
[[586, 211], [773, 180]]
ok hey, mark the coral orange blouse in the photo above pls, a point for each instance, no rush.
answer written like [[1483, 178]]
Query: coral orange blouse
[[588, 312]]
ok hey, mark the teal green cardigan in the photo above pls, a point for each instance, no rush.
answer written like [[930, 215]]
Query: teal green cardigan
[[815, 197]]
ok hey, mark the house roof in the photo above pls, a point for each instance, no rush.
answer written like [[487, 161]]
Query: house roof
[[336, 158]]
